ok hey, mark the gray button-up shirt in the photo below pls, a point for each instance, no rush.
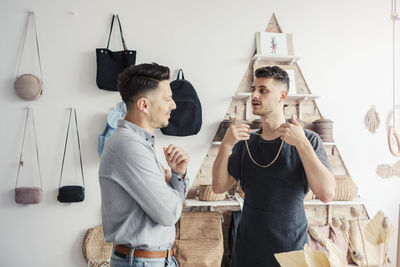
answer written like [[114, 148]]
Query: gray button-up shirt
[[138, 207]]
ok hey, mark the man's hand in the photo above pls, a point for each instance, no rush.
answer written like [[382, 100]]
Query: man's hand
[[235, 133], [176, 158], [292, 133], [167, 174]]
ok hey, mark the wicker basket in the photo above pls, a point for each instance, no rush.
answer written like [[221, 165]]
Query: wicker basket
[[240, 190], [206, 194], [309, 196], [95, 249], [346, 189]]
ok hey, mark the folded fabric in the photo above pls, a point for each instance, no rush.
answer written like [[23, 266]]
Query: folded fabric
[[111, 125]]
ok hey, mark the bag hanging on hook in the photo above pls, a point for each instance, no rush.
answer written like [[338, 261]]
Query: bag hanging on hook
[[110, 64], [71, 193], [28, 195], [28, 86], [186, 119]]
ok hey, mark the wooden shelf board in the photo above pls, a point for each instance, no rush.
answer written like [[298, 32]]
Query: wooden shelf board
[[357, 201], [235, 203], [219, 203], [329, 143], [242, 95], [290, 98], [218, 143], [278, 58], [297, 98]]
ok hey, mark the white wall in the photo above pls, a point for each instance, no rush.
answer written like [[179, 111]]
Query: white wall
[[345, 50]]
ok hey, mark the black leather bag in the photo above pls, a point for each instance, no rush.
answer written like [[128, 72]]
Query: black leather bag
[[71, 193], [186, 119], [110, 64]]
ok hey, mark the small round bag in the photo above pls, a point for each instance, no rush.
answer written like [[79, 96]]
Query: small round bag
[[28, 86]]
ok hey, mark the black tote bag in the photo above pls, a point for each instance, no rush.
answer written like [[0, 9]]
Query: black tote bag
[[110, 64]]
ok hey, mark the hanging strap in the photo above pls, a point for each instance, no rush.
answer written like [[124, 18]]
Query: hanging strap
[[394, 14], [21, 163], [179, 73], [31, 13], [120, 31], [79, 146]]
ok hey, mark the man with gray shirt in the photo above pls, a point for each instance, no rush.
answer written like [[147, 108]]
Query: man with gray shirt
[[139, 206]]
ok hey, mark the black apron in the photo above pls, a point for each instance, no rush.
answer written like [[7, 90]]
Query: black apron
[[273, 218]]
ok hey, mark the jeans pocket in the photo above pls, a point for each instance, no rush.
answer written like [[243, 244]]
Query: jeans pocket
[[174, 262], [149, 263], [116, 261]]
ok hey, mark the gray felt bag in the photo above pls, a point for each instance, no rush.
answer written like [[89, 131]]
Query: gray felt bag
[[28, 86]]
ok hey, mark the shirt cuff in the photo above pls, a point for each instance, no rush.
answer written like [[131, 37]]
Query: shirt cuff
[[180, 184]]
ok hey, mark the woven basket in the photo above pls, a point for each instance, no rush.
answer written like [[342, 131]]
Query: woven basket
[[199, 239], [309, 196], [346, 189], [206, 194], [240, 191], [95, 249]]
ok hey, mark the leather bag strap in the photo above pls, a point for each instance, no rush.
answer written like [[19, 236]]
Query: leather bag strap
[[180, 73], [21, 163], [120, 31], [79, 146], [31, 14]]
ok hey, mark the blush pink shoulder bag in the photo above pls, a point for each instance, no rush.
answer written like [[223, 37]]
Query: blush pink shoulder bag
[[28, 195]]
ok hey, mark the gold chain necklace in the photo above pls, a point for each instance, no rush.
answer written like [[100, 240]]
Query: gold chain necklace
[[258, 164]]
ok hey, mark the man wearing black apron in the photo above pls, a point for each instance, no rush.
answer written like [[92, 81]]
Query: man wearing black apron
[[276, 167]]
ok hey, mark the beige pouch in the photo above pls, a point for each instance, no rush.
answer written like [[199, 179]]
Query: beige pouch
[[28, 86]]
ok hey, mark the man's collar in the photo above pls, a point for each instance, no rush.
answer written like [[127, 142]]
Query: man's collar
[[149, 137]]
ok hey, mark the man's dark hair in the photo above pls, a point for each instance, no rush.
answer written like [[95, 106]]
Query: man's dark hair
[[137, 80], [274, 72]]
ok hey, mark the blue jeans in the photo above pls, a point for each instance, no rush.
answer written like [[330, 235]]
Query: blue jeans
[[117, 261]]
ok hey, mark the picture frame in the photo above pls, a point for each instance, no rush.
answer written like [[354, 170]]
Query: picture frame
[[274, 44]]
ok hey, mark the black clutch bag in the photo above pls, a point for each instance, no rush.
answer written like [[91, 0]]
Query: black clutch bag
[[71, 193]]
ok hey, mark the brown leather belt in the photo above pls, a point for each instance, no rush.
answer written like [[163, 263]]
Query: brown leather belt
[[141, 253]]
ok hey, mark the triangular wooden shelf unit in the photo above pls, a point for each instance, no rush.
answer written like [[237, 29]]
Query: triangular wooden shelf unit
[[301, 103]]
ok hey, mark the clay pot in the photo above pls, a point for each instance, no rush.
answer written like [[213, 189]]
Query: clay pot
[[324, 128]]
